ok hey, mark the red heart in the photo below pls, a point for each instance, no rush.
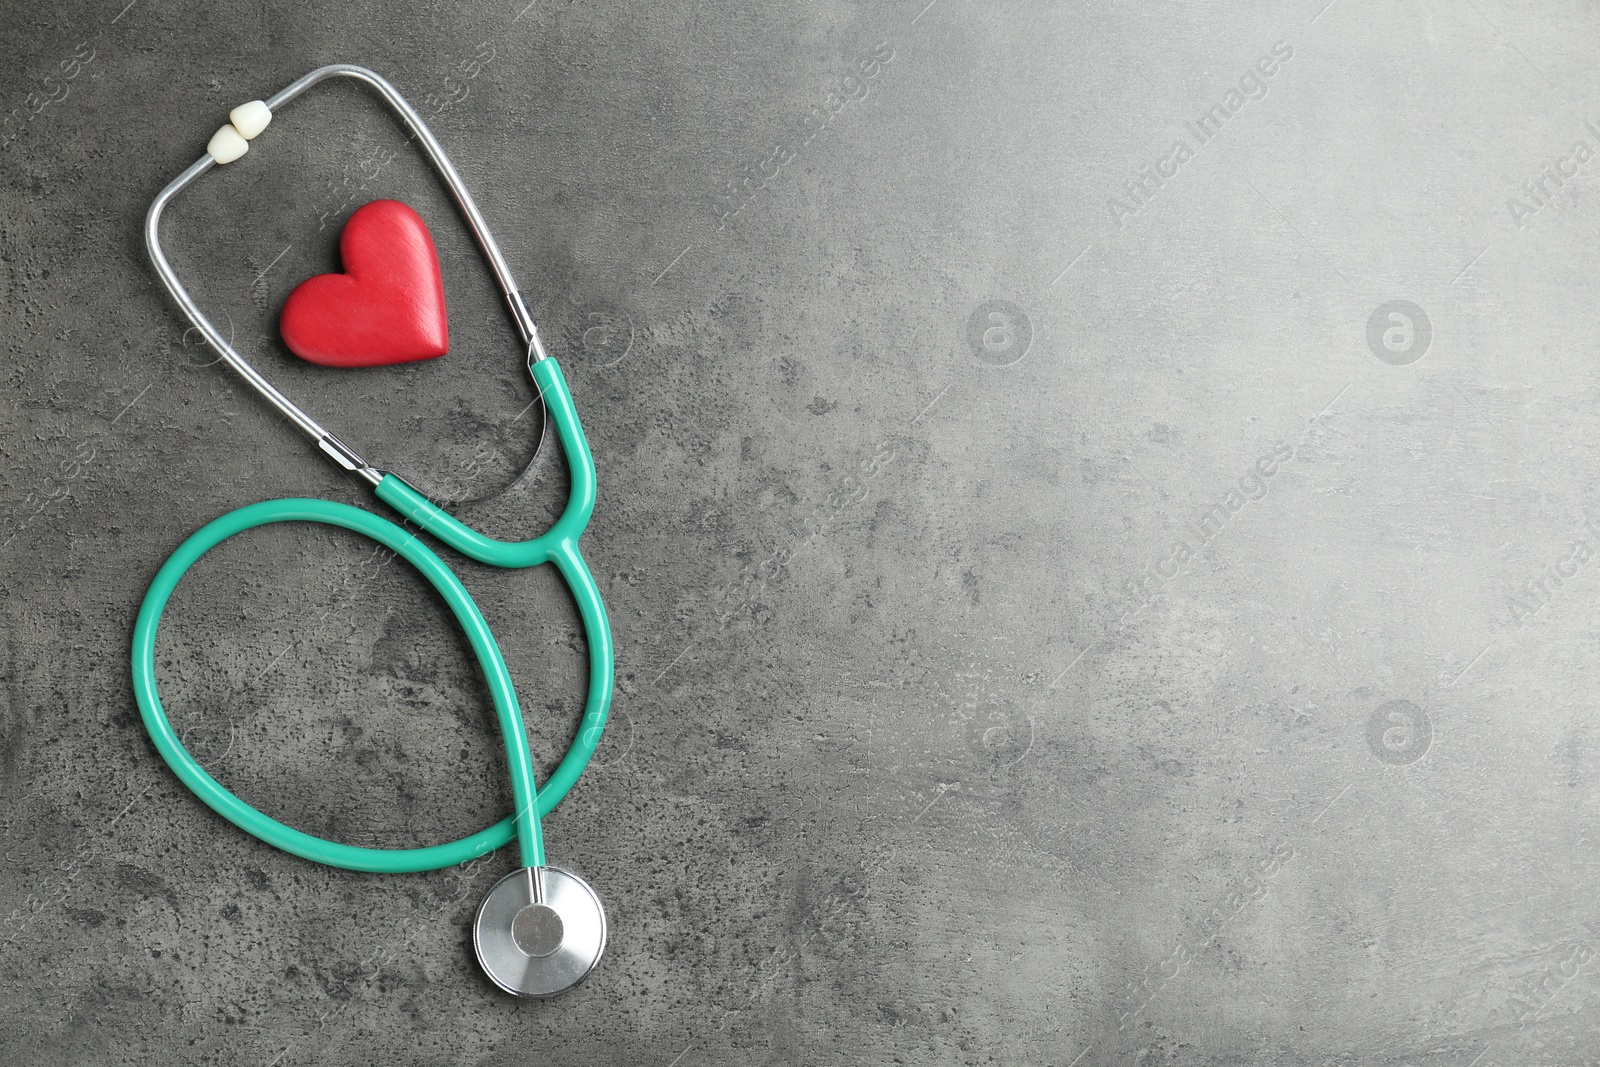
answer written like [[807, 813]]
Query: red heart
[[388, 305]]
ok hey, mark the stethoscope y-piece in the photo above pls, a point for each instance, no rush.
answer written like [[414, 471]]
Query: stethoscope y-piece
[[541, 930]]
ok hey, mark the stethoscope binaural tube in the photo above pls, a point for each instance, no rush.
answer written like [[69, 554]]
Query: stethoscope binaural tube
[[331, 446]]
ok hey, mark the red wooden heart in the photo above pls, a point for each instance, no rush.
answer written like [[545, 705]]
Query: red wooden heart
[[387, 306]]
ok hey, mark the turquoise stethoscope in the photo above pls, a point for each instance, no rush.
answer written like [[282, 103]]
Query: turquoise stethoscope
[[541, 930]]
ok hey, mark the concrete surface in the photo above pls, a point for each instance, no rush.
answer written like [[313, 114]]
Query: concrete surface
[[1095, 515]]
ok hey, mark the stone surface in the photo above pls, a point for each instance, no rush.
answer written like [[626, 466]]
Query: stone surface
[[1093, 512]]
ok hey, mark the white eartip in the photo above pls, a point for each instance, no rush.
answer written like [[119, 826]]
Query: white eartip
[[226, 145], [250, 119]]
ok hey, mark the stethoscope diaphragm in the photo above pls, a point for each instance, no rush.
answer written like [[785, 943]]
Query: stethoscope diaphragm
[[539, 932]]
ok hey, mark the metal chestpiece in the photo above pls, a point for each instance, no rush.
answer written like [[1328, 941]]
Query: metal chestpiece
[[539, 932]]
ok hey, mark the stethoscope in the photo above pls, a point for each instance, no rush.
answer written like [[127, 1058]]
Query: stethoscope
[[541, 929]]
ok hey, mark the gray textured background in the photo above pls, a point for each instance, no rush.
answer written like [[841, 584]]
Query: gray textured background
[[943, 735]]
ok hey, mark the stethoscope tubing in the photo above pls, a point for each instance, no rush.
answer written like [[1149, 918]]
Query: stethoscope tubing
[[558, 546]]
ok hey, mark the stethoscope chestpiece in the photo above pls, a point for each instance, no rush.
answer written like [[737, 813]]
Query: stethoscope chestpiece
[[539, 932]]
